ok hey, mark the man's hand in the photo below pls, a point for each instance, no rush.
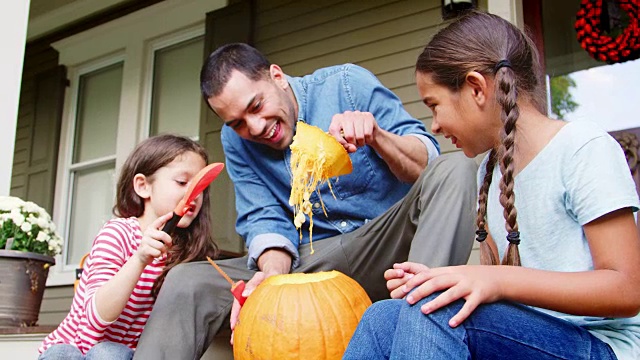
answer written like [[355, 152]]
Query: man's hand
[[354, 129], [406, 155], [271, 262]]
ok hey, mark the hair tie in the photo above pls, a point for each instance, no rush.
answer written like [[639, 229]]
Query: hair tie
[[514, 237], [501, 64], [482, 235]]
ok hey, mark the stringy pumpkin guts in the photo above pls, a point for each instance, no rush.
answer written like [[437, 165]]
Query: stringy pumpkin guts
[[315, 157]]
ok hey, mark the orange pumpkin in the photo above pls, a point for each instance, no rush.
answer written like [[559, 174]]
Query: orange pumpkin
[[300, 316]]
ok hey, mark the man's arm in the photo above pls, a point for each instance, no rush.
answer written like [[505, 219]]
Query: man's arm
[[274, 262], [262, 221], [380, 121], [405, 155]]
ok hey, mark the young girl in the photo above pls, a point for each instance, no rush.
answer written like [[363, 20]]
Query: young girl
[[561, 276], [131, 255]]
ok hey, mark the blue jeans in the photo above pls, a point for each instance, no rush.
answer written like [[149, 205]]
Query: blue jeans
[[105, 350], [392, 329]]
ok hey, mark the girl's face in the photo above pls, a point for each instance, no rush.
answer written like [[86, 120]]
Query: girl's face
[[167, 186], [466, 117]]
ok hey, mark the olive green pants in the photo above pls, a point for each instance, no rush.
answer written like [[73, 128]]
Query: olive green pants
[[433, 224]]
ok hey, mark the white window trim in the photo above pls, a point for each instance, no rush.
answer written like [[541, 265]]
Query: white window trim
[[132, 38], [147, 88], [65, 274]]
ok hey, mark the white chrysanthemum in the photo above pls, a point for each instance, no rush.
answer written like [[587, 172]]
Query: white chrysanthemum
[[26, 226], [42, 236], [16, 216], [43, 224], [10, 202], [31, 222], [33, 208]]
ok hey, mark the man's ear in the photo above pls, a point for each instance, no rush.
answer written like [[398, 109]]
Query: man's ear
[[478, 86], [141, 186], [278, 76]]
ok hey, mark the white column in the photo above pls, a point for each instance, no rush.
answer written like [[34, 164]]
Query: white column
[[13, 29], [510, 10]]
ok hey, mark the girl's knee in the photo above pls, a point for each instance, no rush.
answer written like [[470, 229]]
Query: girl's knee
[[62, 352], [109, 350], [383, 307]]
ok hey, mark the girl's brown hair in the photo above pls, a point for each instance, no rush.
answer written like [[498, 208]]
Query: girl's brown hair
[[189, 244], [492, 46]]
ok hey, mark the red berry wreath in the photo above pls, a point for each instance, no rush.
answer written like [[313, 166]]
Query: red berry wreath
[[597, 43]]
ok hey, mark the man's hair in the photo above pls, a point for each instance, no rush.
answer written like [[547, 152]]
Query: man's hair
[[237, 56]]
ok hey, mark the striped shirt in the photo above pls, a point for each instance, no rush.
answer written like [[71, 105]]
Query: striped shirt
[[116, 242]]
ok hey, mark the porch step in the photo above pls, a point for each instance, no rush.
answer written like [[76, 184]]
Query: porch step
[[23, 343]]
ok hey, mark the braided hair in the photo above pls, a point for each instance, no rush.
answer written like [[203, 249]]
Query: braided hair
[[492, 46]]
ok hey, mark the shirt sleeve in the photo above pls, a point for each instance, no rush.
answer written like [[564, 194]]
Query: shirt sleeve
[[598, 180], [261, 220], [106, 258], [366, 93]]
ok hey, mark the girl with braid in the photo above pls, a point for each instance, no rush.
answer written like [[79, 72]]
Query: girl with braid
[[560, 273]]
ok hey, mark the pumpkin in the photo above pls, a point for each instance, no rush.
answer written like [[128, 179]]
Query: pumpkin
[[315, 157], [300, 316]]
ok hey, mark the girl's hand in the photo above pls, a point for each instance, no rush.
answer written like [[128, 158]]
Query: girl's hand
[[155, 242], [475, 284], [399, 275]]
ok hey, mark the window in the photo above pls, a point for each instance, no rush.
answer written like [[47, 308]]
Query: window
[[91, 172], [176, 98], [130, 78], [91, 169]]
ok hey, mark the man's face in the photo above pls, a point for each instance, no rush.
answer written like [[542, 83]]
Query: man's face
[[263, 111]]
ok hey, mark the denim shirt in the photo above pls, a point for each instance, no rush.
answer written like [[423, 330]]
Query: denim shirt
[[262, 175]]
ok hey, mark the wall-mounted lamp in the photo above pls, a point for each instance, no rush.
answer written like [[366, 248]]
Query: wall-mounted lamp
[[454, 8]]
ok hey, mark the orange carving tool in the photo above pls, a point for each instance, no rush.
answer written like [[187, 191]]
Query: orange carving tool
[[236, 287]]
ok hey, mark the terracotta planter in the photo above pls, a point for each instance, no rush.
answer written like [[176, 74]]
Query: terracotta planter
[[23, 276]]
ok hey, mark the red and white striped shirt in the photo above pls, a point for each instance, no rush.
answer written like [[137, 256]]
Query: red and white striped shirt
[[116, 242]]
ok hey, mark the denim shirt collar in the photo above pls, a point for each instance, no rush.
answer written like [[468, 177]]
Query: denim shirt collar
[[300, 93]]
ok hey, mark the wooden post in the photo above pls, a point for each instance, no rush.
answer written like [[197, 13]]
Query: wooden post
[[13, 26]]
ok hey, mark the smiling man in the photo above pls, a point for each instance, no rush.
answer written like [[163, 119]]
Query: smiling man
[[402, 200]]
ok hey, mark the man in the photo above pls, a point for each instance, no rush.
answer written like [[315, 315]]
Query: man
[[377, 217]]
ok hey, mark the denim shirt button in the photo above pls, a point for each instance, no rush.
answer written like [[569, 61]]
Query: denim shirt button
[[343, 224], [316, 205]]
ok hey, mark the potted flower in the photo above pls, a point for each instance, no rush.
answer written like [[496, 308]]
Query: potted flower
[[28, 243]]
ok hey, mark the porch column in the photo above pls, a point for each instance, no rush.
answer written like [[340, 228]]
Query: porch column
[[510, 10], [13, 27]]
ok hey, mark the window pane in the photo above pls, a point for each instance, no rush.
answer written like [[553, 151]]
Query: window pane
[[93, 197], [583, 89], [176, 89], [98, 108]]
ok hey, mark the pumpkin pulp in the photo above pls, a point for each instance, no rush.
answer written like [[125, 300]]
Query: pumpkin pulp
[[315, 157]]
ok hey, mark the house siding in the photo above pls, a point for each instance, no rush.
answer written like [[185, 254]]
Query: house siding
[[38, 60]]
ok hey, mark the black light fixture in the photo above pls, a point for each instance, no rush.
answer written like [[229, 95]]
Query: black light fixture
[[454, 8]]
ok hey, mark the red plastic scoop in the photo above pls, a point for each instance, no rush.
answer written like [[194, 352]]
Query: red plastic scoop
[[199, 182]]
